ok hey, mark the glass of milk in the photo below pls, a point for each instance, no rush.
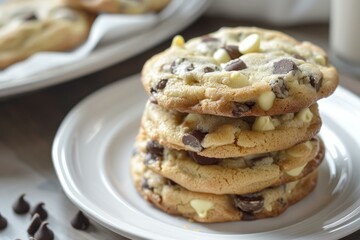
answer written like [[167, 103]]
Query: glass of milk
[[345, 34]]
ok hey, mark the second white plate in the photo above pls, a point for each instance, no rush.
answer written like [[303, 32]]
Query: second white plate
[[91, 156]]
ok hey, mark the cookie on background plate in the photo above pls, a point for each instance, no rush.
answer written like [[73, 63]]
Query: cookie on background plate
[[238, 72], [241, 175], [119, 6], [31, 26], [206, 207], [224, 137]]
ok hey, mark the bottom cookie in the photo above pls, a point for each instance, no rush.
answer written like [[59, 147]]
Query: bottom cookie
[[205, 207]]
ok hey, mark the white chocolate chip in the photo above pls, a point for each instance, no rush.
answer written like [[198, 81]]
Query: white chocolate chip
[[178, 41], [201, 207], [320, 59], [305, 115], [266, 100], [296, 171], [263, 124], [250, 44], [221, 56], [299, 150], [236, 80], [223, 135]]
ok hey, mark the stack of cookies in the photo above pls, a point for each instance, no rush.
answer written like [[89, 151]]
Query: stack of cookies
[[229, 131]]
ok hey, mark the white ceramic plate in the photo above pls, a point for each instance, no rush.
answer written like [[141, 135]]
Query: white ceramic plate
[[91, 156], [109, 54]]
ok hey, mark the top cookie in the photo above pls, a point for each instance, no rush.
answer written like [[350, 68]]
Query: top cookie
[[239, 72], [119, 6], [30, 26]]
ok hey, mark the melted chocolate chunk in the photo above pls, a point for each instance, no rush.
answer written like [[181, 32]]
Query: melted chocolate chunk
[[21, 206], [3, 222], [235, 65], [240, 108], [161, 84], [316, 82], [80, 221], [34, 224], [284, 66], [39, 209], [278, 87], [193, 139], [233, 51], [44, 233], [154, 152], [249, 202], [208, 69], [203, 160]]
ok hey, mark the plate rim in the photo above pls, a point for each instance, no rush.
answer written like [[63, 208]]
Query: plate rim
[[56, 156]]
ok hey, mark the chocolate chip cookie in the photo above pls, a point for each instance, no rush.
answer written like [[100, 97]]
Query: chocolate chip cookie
[[30, 26], [224, 137], [119, 6], [240, 175], [237, 72], [206, 207]]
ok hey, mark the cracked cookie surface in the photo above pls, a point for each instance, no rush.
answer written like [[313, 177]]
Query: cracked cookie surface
[[222, 137], [27, 27], [237, 72]]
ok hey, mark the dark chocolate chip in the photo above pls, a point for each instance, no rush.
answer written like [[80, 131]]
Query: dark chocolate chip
[[34, 224], [233, 51], [171, 182], [181, 65], [145, 184], [240, 108], [80, 221], [39, 209], [154, 148], [3, 222], [235, 65], [193, 139], [161, 84], [154, 152], [316, 82], [278, 87], [209, 39], [284, 66], [248, 216], [21, 206], [249, 202], [208, 69], [203, 160], [152, 97], [44, 233]]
